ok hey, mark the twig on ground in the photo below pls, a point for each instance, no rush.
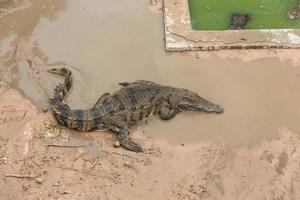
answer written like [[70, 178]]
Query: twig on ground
[[111, 191], [76, 170], [196, 193], [35, 163], [80, 146], [119, 154], [20, 175], [66, 146], [95, 162], [12, 110], [75, 160]]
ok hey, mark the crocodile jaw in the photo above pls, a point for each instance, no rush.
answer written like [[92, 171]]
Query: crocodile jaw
[[201, 105]]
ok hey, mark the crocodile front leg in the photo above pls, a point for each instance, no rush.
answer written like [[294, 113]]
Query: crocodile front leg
[[118, 125], [167, 111]]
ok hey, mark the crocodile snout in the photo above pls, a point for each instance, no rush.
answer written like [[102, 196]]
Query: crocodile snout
[[219, 109]]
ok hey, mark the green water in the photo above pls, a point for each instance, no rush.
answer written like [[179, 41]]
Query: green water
[[264, 14]]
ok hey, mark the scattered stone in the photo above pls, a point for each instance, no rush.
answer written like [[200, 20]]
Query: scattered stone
[[39, 180], [3, 157], [117, 144], [54, 157], [57, 184], [267, 155], [45, 109], [25, 187], [65, 192]]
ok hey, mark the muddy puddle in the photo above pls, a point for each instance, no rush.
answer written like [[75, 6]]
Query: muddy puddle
[[106, 42]]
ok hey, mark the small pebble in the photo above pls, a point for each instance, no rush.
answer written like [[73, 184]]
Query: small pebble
[[117, 144], [39, 180], [57, 184], [45, 109]]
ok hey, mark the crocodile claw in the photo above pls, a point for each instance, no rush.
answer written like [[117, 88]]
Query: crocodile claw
[[131, 146]]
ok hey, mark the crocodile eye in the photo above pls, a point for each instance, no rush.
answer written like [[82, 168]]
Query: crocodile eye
[[190, 98], [186, 99]]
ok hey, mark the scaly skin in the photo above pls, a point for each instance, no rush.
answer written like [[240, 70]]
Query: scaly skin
[[124, 108]]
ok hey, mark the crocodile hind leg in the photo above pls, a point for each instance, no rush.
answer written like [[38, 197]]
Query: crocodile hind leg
[[166, 111], [126, 142], [118, 125]]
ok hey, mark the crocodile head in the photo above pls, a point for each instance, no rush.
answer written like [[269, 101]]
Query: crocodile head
[[189, 100]]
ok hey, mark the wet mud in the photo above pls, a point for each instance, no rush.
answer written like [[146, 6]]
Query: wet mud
[[40, 160]]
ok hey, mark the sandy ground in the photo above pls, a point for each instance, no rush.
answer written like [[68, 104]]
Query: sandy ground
[[40, 160]]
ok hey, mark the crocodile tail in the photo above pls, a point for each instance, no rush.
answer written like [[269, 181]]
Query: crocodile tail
[[62, 89], [60, 108], [82, 120]]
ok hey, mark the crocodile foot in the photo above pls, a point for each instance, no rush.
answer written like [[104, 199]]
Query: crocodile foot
[[131, 146]]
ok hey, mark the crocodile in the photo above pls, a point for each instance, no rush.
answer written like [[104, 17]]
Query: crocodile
[[124, 108]]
